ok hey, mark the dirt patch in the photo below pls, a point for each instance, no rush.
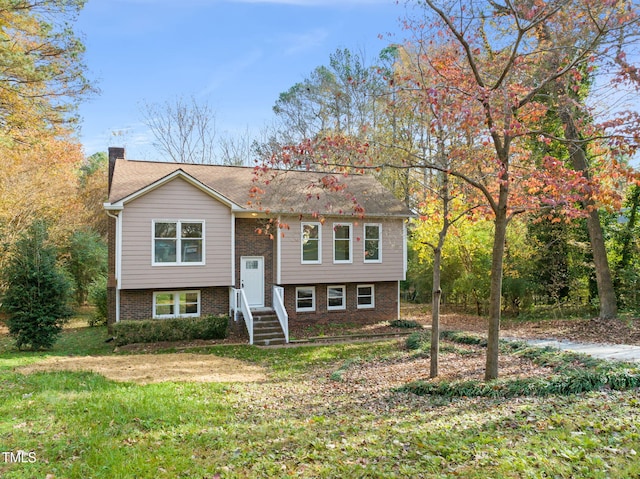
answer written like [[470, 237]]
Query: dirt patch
[[145, 368]]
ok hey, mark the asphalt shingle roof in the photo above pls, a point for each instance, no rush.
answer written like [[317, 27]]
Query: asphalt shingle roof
[[287, 192]]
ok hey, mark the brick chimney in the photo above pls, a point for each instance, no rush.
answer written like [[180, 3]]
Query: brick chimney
[[115, 153], [112, 283]]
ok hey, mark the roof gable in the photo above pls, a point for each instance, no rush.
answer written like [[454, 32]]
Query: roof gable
[[178, 173]]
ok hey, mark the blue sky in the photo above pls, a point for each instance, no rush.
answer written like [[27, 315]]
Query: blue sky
[[236, 55]]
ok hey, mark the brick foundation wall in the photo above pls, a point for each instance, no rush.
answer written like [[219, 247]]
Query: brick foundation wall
[[138, 304], [386, 305], [250, 243]]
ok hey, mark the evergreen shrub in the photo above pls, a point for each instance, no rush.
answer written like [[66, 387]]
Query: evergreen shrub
[[174, 329]]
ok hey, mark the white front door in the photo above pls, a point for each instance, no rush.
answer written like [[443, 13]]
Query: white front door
[[252, 279]]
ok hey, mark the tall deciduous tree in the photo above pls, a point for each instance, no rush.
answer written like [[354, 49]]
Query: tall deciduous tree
[[42, 71], [39, 181], [432, 133], [41, 81], [492, 58], [336, 99], [85, 260], [92, 191], [627, 246], [184, 130]]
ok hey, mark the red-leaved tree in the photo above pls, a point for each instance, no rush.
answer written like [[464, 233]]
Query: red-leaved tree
[[493, 70]]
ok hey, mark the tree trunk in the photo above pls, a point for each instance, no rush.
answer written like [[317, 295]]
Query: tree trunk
[[437, 264], [495, 296], [435, 314], [606, 292]]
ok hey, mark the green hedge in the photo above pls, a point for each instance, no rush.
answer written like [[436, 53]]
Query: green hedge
[[177, 329], [417, 341], [570, 382], [404, 323]]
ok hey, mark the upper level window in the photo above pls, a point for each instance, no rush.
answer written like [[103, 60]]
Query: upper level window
[[311, 243], [175, 304], [372, 243], [178, 242], [342, 243]]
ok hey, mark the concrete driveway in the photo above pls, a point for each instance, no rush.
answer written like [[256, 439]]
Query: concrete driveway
[[616, 352]]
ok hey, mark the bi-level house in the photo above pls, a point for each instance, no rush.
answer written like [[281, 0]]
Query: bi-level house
[[187, 240]]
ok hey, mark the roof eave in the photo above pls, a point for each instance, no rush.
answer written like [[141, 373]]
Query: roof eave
[[113, 206], [333, 213]]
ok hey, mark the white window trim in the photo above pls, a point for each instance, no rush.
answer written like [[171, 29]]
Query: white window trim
[[373, 296], [319, 260], [364, 243], [313, 299], [178, 244], [176, 303], [350, 260], [344, 297]]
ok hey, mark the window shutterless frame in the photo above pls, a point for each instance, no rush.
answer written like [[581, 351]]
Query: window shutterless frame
[[310, 243], [342, 243], [177, 242], [336, 297], [366, 296], [305, 299], [176, 304], [372, 243]]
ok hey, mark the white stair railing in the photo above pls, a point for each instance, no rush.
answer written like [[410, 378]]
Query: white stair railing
[[281, 312], [240, 304]]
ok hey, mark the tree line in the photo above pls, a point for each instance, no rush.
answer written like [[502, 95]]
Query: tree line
[[51, 228]]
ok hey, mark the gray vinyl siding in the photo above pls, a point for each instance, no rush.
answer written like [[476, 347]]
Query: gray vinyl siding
[[390, 269], [176, 200]]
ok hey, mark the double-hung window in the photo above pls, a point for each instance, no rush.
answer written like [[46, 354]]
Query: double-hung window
[[306, 298], [310, 239], [372, 243], [176, 304], [366, 296], [178, 242], [336, 297], [342, 243]]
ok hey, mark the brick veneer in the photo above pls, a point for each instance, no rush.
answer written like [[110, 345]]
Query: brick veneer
[[386, 304], [250, 243], [138, 303]]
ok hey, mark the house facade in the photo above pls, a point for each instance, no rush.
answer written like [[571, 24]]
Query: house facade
[[188, 240]]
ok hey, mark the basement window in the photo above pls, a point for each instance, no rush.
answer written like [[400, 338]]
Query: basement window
[[305, 298], [366, 296], [336, 297], [176, 304]]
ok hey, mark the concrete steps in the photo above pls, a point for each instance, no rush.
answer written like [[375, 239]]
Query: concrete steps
[[266, 329]]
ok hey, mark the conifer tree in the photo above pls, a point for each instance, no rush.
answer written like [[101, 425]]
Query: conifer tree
[[37, 291]]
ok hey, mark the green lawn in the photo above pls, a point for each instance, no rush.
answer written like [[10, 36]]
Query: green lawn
[[305, 421]]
